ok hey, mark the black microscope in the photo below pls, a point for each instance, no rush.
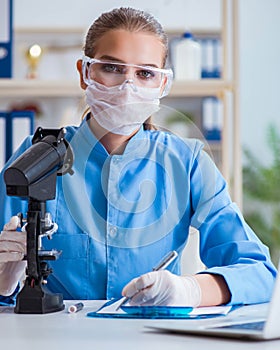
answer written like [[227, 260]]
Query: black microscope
[[33, 176]]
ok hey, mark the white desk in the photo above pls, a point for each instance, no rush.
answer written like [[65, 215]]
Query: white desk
[[61, 331]]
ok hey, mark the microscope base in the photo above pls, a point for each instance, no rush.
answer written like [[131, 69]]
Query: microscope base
[[37, 300]]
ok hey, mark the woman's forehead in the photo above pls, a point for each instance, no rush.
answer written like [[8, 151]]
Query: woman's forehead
[[131, 47]]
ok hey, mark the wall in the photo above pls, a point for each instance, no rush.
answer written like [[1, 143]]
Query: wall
[[171, 13], [259, 72]]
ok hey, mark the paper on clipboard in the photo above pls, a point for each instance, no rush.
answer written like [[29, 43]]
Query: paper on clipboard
[[211, 310], [111, 307]]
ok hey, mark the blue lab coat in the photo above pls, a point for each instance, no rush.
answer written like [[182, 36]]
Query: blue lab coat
[[118, 215]]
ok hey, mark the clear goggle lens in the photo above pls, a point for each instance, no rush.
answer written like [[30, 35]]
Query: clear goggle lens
[[115, 73]]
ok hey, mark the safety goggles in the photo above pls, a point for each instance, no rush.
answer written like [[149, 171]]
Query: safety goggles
[[112, 73]]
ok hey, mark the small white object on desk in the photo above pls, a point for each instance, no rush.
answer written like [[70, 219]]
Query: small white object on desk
[[75, 308]]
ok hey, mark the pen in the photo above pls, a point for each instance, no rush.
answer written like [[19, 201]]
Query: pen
[[166, 261], [75, 308], [163, 264]]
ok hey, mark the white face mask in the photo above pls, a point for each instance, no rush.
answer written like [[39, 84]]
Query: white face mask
[[124, 108]]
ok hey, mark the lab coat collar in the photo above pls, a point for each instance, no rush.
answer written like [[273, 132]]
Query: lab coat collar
[[135, 144]]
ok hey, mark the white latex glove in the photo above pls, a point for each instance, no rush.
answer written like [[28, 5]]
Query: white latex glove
[[163, 288], [12, 251]]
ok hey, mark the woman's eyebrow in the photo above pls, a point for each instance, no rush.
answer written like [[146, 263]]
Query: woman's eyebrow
[[110, 58], [114, 59]]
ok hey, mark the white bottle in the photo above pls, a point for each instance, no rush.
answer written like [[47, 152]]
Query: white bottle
[[187, 58]]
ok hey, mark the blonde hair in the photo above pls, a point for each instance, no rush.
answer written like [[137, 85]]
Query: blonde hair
[[124, 18]]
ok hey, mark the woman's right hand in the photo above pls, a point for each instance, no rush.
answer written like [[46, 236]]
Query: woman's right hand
[[12, 251], [12, 242]]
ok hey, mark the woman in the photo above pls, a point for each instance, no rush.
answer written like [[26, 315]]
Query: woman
[[136, 191]]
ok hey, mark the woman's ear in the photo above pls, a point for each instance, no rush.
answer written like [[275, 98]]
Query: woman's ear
[[80, 70]]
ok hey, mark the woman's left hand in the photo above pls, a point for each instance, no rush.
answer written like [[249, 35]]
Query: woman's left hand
[[163, 288]]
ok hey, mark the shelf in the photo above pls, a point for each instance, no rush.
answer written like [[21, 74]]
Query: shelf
[[13, 88], [204, 87], [82, 30], [49, 30]]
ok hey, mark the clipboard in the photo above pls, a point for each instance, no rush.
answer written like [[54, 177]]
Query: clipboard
[[108, 310]]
